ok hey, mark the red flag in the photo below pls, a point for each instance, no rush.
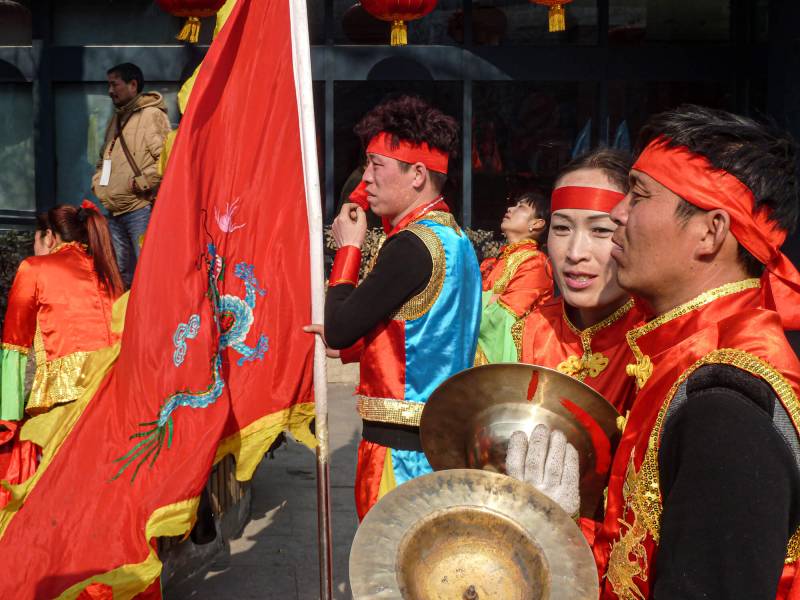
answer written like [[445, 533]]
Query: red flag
[[212, 350]]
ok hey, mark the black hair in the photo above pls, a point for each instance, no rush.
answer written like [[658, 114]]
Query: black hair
[[129, 72], [759, 154], [615, 164], [538, 201], [412, 119]]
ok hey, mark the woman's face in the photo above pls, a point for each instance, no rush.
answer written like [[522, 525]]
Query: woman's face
[[43, 242], [520, 221], [579, 245]]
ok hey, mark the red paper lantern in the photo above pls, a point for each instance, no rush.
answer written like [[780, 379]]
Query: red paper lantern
[[193, 11], [398, 12], [556, 18]]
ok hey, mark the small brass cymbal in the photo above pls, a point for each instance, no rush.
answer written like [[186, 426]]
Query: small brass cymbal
[[466, 534], [469, 418]]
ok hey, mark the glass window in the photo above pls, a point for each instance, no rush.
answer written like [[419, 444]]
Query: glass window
[[521, 22], [354, 25], [316, 21], [638, 21], [16, 149], [82, 113], [523, 133], [79, 22], [352, 100], [631, 103], [15, 23], [319, 128]]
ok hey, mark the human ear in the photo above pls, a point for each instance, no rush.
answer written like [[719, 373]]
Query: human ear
[[420, 175], [715, 226]]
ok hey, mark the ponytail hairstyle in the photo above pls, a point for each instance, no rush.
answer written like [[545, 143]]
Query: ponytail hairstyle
[[87, 226]]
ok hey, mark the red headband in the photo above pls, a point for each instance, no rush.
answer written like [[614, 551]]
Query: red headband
[[696, 180], [432, 158], [584, 198]]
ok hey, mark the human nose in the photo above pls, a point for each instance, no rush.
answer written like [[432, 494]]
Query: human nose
[[578, 247], [619, 214], [367, 177]]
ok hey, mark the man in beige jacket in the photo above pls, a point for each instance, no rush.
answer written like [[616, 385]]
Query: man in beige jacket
[[127, 177]]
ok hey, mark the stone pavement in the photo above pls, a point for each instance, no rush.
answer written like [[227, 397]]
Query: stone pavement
[[275, 557]]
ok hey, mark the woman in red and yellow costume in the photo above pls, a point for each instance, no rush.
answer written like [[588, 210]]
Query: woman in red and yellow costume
[[582, 333], [59, 304], [516, 281]]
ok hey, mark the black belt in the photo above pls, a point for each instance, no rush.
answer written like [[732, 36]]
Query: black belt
[[399, 437]]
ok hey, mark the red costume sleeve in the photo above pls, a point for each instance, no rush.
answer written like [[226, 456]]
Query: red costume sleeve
[[530, 286], [486, 267], [346, 265], [20, 323]]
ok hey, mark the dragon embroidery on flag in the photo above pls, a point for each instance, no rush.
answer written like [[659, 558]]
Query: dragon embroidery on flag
[[233, 317]]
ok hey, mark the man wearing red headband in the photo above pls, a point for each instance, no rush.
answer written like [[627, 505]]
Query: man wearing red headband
[[413, 321], [704, 494]]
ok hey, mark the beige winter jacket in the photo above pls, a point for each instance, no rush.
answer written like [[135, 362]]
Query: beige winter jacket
[[146, 125]]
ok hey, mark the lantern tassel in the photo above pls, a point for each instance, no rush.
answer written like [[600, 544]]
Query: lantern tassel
[[399, 33], [556, 18], [191, 31]]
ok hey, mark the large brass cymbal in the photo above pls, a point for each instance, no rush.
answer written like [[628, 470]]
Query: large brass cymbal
[[470, 417], [469, 534]]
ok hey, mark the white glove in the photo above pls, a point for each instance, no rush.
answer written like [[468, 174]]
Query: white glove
[[549, 463]]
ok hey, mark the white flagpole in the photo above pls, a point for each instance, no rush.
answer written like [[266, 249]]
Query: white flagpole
[[301, 59]]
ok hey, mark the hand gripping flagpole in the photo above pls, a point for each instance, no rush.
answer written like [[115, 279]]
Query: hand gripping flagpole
[[301, 60]]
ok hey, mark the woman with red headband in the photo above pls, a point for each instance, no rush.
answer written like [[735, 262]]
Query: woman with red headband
[[516, 281], [59, 304], [582, 333]]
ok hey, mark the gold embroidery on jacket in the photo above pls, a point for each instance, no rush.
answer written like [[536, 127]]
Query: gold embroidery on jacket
[[517, 332], [590, 364], [510, 267], [418, 305], [628, 558], [643, 368], [15, 348], [442, 218], [641, 491]]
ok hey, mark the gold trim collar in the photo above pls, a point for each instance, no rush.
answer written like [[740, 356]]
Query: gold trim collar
[[590, 364], [510, 248], [643, 368]]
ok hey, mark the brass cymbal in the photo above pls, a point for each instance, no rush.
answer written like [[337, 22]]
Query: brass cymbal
[[469, 418], [470, 534]]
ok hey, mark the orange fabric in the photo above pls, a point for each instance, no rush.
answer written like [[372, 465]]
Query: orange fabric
[[696, 180], [97, 591], [353, 353], [345, 266], [18, 459], [530, 285], [369, 470], [548, 340], [359, 196], [386, 144], [584, 198], [383, 361], [736, 321], [61, 292]]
